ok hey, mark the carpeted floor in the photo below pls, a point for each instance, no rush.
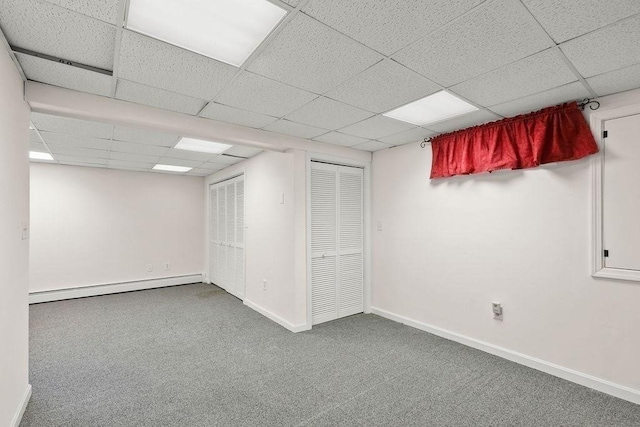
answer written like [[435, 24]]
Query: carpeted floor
[[195, 356]]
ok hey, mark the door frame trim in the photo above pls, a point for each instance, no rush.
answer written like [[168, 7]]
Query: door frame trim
[[366, 225], [598, 269]]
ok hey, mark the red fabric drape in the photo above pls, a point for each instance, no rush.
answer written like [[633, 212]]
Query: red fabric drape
[[550, 135]]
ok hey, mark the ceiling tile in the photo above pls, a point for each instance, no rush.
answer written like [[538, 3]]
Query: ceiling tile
[[159, 98], [38, 146], [188, 155], [383, 87], [339, 138], [158, 64], [124, 164], [377, 127], [371, 146], [130, 157], [81, 152], [312, 56], [199, 172], [571, 92], [387, 26], [143, 136], [565, 20], [46, 122], [34, 137], [83, 164], [62, 158], [607, 49], [616, 81], [494, 34], [227, 160], [131, 168], [292, 3], [262, 95], [240, 151], [537, 73], [104, 10], [328, 114], [46, 28], [214, 166], [295, 129], [412, 135], [179, 162], [56, 139], [224, 113], [62, 75], [134, 148], [465, 121]]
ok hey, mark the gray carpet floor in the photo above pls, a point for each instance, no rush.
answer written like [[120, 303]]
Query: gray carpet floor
[[195, 356]]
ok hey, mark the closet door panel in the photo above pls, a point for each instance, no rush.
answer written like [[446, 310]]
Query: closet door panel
[[222, 237], [323, 242], [350, 241], [231, 237], [240, 233], [213, 233]]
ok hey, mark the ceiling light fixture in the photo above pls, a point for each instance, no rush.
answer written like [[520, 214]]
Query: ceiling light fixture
[[191, 144], [430, 109], [228, 31], [37, 155], [171, 168]]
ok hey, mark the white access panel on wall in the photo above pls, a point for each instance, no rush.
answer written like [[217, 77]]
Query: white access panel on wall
[[226, 240], [337, 255], [621, 193]]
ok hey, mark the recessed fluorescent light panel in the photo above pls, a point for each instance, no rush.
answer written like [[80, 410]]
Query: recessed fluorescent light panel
[[200, 145], [226, 30], [433, 108], [37, 155], [171, 168]]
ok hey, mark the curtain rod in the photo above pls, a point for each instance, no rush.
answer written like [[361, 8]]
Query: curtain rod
[[582, 104]]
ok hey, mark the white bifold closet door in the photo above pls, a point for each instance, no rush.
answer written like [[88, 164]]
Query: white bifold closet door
[[336, 241], [226, 242]]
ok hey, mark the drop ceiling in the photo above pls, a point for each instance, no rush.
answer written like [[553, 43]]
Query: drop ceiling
[[327, 73]]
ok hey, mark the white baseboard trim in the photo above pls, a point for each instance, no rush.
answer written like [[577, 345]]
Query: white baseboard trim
[[583, 379], [17, 418], [114, 288], [279, 320]]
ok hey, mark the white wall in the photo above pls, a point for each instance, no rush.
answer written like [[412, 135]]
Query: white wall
[[276, 234], [271, 233], [450, 247], [14, 251], [93, 226]]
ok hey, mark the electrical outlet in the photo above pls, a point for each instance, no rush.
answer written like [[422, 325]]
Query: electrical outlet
[[167, 266], [149, 268], [497, 310], [264, 284]]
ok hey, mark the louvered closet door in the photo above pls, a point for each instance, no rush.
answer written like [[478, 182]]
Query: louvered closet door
[[239, 242], [336, 242], [350, 251], [222, 237], [232, 286], [227, 235], [213, 234]]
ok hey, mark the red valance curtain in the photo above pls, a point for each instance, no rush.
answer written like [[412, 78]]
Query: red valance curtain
[[550, 135]]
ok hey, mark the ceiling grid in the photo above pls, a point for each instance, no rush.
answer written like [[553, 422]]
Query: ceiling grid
[[328, 71]]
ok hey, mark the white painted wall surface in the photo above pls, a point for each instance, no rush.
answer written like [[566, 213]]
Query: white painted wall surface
[[450, 247], [14, 251], [271, 234], [93, 226]]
